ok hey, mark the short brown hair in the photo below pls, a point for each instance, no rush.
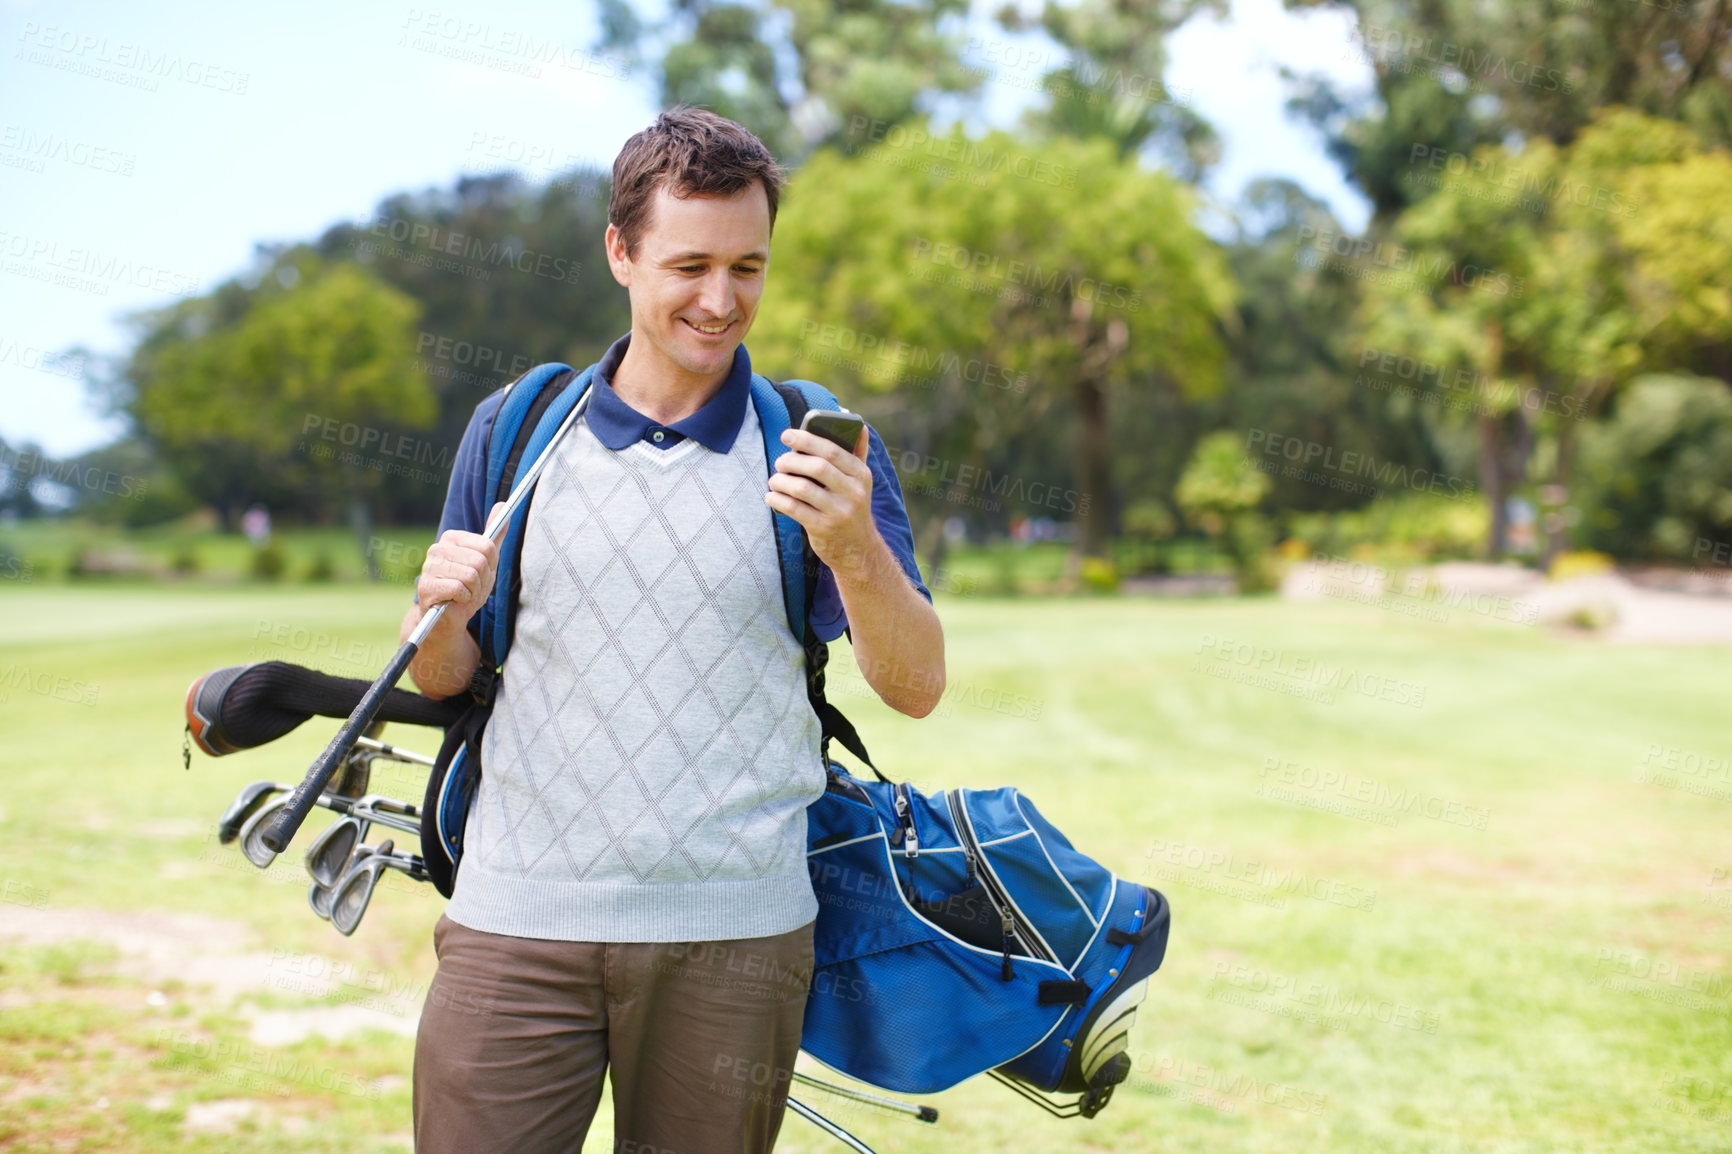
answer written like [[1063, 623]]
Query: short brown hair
[[695, 153]]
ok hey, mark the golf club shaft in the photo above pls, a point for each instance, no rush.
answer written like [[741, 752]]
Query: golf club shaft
[[306, 794]]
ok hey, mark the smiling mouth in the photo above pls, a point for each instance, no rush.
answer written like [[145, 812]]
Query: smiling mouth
[[707, 330]]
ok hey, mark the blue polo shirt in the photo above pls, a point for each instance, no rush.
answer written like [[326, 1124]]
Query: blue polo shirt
[[616, 425]]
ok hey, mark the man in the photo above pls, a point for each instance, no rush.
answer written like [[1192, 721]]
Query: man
[[634, 895]]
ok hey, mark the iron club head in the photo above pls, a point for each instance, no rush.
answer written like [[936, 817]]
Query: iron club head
[[253, 832], [242, 807]]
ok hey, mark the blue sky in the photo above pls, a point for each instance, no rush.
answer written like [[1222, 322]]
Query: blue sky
[[144, 150]]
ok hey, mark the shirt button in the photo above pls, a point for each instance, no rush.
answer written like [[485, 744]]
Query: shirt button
[[658, 436]]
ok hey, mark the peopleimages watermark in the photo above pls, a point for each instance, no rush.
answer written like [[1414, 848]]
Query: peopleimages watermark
[[254, 1068], [535, 157], [1298, 675], [1310, 1001], [1461, 389], [1378, 262], [1656, 979], [90, 270], [434, 246], [1411, 52], [1491, 178], [1687, 771], [1224, 872], [16, 893], [32, 151], [1346, 466], [1700, 1097], [888, 359], [314, 975], [22, 467], [1718, 890], [913, 468], [1206, 1084], [131, 65], [1361, 798], [1018, 65], [1350, 579], [502, 49], [1015, 280], [975, 161], [40, 360], [394, 454], [467, 362], [16, 678]]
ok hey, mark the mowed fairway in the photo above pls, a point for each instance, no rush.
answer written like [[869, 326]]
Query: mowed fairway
[[1471, 922]]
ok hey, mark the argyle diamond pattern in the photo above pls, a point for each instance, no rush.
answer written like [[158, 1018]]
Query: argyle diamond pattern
[[652, 725]]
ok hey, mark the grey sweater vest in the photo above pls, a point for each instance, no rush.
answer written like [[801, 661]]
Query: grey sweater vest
[[652, 752]]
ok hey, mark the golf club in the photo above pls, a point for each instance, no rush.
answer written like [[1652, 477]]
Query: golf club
[[350, 899], [243, 806], [301, 802], [253, 831], [319, 898], [329, 857]]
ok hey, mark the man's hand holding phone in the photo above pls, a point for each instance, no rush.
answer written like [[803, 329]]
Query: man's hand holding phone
[[823, 482]]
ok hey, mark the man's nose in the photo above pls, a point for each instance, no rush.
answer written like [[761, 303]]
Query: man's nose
[[717, 295]]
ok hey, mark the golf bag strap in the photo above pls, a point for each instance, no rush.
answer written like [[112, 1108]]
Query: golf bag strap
[[543, 400], [1118, 937], [832, 724], [1060, 992]]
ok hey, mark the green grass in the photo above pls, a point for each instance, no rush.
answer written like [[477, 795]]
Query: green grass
[[48, 548], [1333, 983]]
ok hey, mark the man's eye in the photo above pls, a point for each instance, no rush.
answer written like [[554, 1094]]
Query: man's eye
[[748, 270], [692, 268]]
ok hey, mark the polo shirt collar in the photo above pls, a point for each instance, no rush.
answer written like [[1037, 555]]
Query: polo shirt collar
[[618, 425]]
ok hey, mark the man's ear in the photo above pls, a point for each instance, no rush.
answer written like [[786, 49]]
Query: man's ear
[[617, 260]]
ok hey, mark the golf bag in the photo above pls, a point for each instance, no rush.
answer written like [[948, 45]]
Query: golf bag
[[971, 899]]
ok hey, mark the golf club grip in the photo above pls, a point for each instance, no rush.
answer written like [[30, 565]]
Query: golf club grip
[[306, 795]]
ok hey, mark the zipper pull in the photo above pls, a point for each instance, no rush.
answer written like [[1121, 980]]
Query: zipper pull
[[1007, 973], [905, 815]]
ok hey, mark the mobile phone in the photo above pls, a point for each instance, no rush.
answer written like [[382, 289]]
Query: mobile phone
[[836, 425]]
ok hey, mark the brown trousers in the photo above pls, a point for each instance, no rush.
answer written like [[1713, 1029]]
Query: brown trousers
[[517, 1033]]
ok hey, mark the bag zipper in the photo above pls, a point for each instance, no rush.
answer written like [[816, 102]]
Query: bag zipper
[[905, 818], [1017, 929]]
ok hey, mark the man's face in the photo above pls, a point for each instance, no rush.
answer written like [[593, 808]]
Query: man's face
[[697, 276]]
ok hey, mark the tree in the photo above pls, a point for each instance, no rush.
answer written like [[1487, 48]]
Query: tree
[[1220, 492], [995, 296], [1458, 74], [802, 74], [1550, 277], [227, 387], [1112, 86]]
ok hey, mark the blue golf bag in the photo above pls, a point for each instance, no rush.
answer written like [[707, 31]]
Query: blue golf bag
[[961, 933]]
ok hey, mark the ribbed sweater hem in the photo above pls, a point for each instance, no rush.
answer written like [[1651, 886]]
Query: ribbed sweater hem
[[569, 911]]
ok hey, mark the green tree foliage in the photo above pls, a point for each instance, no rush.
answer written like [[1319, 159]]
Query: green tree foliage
[[225, 387], [1004, 301], [1112, 84], [1552, 276], [1659, 473], [508, 275], [1458, 74], [1219, 492], [803, 73]]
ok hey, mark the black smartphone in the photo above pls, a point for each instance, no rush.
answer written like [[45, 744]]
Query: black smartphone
[[837, 425]]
